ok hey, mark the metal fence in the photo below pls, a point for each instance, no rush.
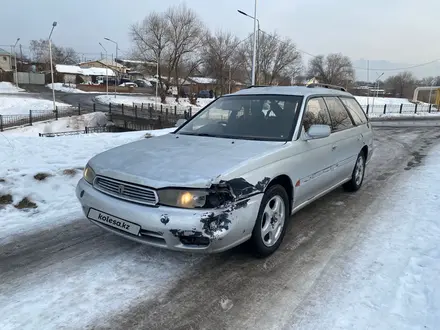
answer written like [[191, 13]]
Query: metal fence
[[8, 121], [399, 108], [87, 130]]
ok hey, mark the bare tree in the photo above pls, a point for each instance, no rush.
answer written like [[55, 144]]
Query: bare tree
[[402, 84], [335, 69], [278, 61], [173, 39], [60, 55], [185, 34], [151, 43], [219, 56]]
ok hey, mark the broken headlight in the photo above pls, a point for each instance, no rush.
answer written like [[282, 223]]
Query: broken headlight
[[192, 198]]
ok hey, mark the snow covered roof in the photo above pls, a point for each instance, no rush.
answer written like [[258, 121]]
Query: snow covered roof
[[74, 69], [203, 80], [138, 62], [103, 61], [4, 52]]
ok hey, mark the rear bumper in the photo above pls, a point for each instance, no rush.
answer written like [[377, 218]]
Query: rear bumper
[[174, 228]]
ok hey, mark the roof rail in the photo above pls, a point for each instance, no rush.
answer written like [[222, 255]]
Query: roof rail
[[340, 88]]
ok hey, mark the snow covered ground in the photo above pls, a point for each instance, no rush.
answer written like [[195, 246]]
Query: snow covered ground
[[22, 157], [170, 101], [86, 288], [65, 124], [7, 87], [389, 279], [20, 105]]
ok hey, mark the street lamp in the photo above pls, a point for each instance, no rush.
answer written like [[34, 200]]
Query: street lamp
[[51, 65], [15, 55], [106, 68], [254, 57], [108, 39], [430, 90], [377, 88]]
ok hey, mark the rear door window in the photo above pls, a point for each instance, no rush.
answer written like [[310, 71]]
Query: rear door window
[[356, 111], [338, 114]]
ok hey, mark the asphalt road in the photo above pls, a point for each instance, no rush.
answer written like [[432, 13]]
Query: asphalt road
[[233, 290]]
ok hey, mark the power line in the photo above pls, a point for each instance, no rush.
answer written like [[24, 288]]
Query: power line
[[361, 68]]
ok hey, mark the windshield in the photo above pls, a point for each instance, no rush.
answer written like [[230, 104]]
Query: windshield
[[258, 117]]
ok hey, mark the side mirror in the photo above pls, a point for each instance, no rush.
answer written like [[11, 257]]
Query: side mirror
[[180, 122], [317, 132]]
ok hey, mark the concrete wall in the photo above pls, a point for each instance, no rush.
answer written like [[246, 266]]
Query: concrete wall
[[27, 78], [111, 89]]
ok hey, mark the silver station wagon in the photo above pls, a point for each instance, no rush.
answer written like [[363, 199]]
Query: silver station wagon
[[236, 171]]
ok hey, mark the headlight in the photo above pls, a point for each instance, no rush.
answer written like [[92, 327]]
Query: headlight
[[89, 174], [191, 199]]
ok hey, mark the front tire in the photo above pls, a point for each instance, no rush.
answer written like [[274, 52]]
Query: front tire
[[357, 177], [270, 226]]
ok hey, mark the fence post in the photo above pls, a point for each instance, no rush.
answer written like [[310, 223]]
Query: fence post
[[190, 112], [56, 113], [384, 108], [430, 106], [94, 107], [401, 108], [142, 106], [368, 108], [1, 123], [185, 115], [110, 108], [166, 114], [415, 108], [150, 110], [160, 122], [175, 110], [30, 117], [79, 109], [86, 130], [122, 107], [161, 108], [135, 111]]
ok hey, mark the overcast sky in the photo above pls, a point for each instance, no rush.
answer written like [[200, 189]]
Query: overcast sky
[[402, 31]]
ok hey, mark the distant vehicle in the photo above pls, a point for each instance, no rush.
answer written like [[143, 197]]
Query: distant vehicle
[[142, 83], [128, 84], [235, 171], [203, 94]]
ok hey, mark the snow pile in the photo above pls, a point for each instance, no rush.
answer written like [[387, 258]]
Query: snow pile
[[65, 124], [389, 278], [7, 88], [66, 88], [62, 159], [183, 103], [20, 105]]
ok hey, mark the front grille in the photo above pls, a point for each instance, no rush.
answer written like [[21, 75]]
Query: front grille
[[126, 191]]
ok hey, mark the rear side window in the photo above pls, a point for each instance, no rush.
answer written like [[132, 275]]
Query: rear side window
[[357, 113], [316, 113], [338, 114]]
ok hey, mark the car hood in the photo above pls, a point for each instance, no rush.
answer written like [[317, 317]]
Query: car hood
[[178, 160]]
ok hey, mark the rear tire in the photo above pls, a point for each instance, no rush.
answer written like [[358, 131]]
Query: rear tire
[[270, 227], [357, 177]]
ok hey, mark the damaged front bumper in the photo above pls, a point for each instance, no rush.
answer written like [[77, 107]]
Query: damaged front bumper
[[202, 230]]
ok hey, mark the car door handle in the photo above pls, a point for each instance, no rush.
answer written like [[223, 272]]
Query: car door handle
[[334, 147]]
